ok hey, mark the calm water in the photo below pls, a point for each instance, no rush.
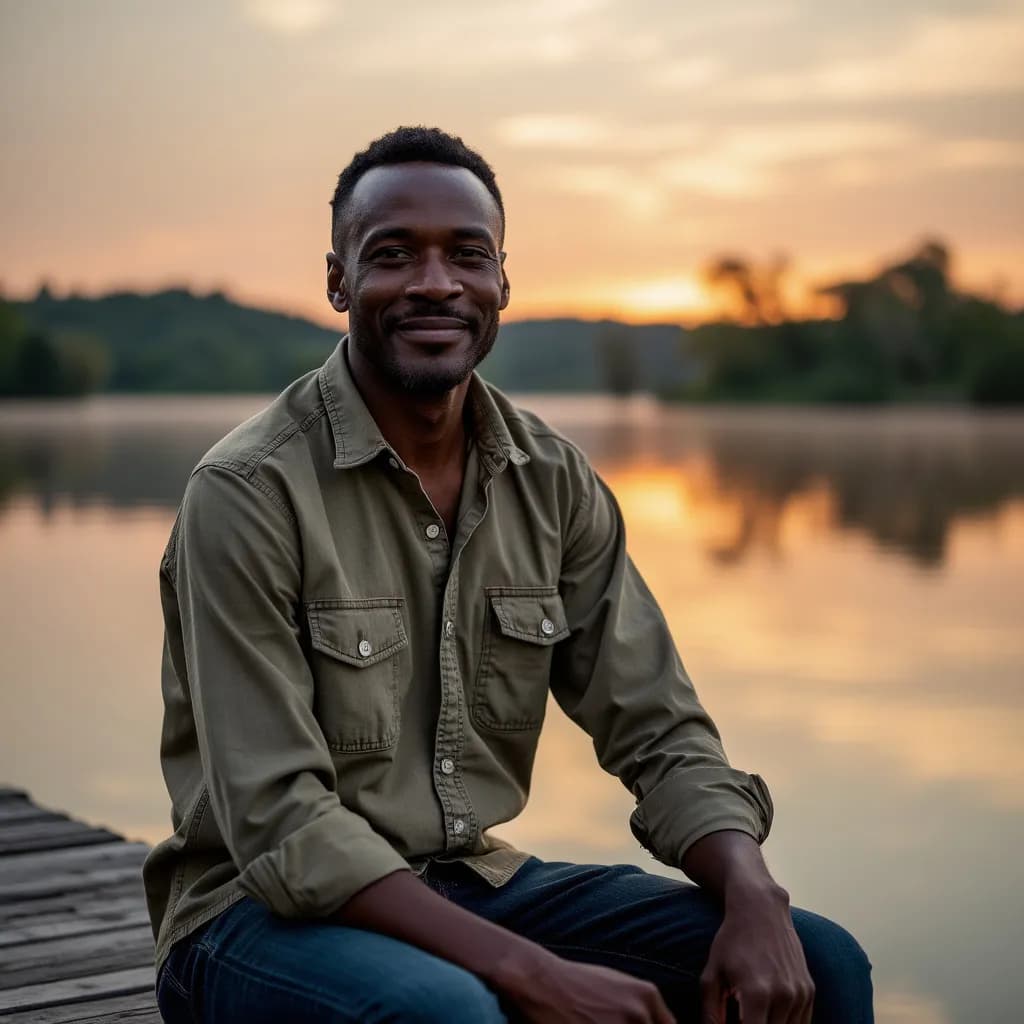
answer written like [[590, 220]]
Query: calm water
[[846, 588]]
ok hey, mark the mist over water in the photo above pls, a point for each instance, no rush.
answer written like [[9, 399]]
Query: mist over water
[[846, 589]]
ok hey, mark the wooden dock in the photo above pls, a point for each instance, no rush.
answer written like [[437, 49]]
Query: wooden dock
[[75, 941]]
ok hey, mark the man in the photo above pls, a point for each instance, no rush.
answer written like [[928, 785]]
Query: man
[[369, 591]]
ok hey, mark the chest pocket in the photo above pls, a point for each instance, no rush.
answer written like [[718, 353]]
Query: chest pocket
[[356, 662], [522, 625]]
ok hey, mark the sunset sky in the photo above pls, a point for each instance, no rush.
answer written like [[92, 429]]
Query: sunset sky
[[146, 143]]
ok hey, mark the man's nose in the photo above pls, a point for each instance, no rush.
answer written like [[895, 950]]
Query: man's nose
[[434, 279]]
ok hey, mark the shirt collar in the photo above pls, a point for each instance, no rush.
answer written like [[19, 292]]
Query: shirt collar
[[357, 438]]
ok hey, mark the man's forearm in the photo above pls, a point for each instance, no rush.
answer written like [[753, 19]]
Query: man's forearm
[[730, 866], [402, 906], [541, 987], [756, 958]]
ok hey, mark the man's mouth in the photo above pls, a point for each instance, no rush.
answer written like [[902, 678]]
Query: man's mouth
[[432, 329]]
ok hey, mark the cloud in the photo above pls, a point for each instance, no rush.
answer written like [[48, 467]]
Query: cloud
[[561, 131], [927, 157], [686, 73], [585, 133], [948, 56], [464, 41], [632, 192], [748, 161], [290, 17], [980, 153]]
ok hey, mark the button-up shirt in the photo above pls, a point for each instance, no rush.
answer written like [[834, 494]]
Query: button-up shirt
[[349, 691]]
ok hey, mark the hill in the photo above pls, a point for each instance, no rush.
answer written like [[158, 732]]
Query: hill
[[176, 341]]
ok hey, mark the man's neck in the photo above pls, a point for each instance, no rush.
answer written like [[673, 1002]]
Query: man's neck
[[429, 434]]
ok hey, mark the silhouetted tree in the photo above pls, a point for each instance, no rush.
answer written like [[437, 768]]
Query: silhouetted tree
[[756, 290], [618, 359]]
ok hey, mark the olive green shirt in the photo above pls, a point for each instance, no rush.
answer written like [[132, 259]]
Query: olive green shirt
[[349, 691]]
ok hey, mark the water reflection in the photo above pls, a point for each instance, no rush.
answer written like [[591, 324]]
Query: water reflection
[[794, 555], [121, 453], [902, 478]]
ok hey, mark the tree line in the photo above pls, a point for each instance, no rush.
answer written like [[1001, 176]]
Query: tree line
[[903, 334]]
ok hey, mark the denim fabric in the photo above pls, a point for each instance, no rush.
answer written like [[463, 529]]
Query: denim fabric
[[249, 965]]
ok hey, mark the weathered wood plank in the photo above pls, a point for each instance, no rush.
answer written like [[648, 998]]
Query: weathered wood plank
[[71, 990], [23, 810], [75, 941], [54, 827], [38, 836], [66, 906], [133, 1009], [25, 867], [125, 913], [69, 882], [55, 959]]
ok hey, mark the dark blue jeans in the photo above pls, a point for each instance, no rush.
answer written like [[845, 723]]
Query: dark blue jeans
[[248, 965]]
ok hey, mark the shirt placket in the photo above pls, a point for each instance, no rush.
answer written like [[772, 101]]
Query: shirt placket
[[460, 820]]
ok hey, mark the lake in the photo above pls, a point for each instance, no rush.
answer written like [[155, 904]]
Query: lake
[[846, 589]]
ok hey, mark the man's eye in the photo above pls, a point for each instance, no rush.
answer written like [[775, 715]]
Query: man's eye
[[390, 252], [470, 252]]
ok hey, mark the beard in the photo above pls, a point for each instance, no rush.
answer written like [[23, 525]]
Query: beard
[[434, 375]]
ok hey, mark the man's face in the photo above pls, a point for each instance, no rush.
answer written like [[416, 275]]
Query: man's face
[[421, 274]]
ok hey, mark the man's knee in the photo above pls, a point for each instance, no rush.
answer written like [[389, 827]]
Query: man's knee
[[444, 995], [839, 966]]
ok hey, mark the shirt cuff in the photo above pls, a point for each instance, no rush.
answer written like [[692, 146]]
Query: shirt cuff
[[320, 866], [690, 804]]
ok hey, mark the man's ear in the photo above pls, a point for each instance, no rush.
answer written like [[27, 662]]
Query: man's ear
[[505, 287], [337, 292]]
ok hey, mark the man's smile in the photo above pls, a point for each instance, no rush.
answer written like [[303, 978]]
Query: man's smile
[[438, 330]]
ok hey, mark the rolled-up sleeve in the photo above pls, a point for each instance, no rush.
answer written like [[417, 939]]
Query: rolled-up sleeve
[[236, 573], [619, 676]]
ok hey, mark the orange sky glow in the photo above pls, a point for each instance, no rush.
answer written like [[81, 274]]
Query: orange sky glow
[[148, 145]]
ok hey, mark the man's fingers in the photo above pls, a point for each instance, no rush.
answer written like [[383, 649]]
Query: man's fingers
[[799, 1004], [713, 995], [755, 1001], [806, 1010]]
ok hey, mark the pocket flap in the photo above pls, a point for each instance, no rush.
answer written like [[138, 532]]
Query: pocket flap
[[537, 618], [359, 633]]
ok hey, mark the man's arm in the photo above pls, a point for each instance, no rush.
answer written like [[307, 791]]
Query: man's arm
[[619, 677], [543, 988], [756, 957], [232, 590]]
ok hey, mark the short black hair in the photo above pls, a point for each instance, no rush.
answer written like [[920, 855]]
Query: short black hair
[[411, 145]]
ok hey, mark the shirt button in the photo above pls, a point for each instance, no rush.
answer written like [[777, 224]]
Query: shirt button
[[458, 826], [433, 531], [448, 767], [547, 627], [393, 463], [365, 648], [449, 629]]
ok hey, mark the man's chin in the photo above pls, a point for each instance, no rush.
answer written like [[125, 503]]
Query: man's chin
[[432, 381], [425, 370]]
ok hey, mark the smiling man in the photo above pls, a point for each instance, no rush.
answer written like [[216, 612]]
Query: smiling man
[[369, 592]]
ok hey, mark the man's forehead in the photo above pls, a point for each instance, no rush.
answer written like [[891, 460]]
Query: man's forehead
[[438, 192]]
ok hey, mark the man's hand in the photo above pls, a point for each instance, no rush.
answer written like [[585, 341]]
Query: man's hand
[[756, 958], [551, 990]]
